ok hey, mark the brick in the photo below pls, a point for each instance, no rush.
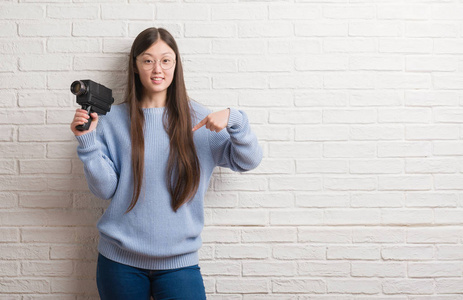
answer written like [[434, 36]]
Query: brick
[[21, 12], [410, 45], [431, 132], [431, 98], [375, 98], [431, 199], [324, 268], [76, 12], [407, 115], [273, 132], [408, 286], [174, 28], [25, 81], [349, 183], [294, 150], [238, 217], [299, 252], [209, 64], [267, 235], [44, 99], [215, 268], [382, 199], [8, 29], [449, 286], [322, 133], [349, 150], [74, 286], [73, 252], [402, 81], [266, 268], [294, 12], [265, 199], [356, 11], [45, 200], [49, 269], [22, 286], [354, 286], [325, 235], [376, 63], [448, 46], [374, 28], [349, 45], [407, 252], [220, 200], [404, 149], [220, 235], [448, 216], [446, 12], [403, 12], [376, 166], [292, 81], [352, 216], [99, 28], [449, 252], [8, 235], [7, 99], [45, 63], [406, 217], [429, 64], [354, 116], [18, 150], [7, 133], [378, 269], [296, 217], [264, 29], [22, 116], [321, 166], [50, 133], [266, 64], [244, 183], [298, 286], [321, 28], [244, 81], [9, 200], [42, 29], [241, 252], [318, 99], [295, 183], [9, 64], [431, 166], [322, 200], [351, 81], [9, 269], [440, 269], [244, 286], [24, 251], [210, 30], [7, 167], [228, 46], [353, 252], [235, 11], [28, 46], [378, 235], [132, 11], [324, 62]]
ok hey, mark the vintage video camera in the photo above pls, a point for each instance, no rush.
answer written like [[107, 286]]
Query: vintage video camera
[[93, 97]]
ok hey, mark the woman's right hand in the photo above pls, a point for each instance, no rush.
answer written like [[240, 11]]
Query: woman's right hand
[[82, 117]]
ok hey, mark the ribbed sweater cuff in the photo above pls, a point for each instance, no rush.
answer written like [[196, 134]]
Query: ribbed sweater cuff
[[87, 140]]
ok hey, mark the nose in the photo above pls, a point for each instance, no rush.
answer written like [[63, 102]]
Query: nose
[[157, 67]]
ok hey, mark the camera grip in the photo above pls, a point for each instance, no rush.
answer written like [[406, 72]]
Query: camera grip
[[86, 126]]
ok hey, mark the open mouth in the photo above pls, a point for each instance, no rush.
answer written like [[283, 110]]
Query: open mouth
[[157, 79]]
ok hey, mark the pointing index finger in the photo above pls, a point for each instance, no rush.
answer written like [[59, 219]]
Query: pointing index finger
[[199, 125]]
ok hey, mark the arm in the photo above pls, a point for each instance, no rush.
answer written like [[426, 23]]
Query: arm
[[236, 147], [100, 172]]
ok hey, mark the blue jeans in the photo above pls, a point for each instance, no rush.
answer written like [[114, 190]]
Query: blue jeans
[[117, 281]]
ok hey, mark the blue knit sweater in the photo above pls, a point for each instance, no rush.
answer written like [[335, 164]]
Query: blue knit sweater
[[152, 235]]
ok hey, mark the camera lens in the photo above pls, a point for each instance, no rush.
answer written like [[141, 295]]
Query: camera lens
[[78, 88]]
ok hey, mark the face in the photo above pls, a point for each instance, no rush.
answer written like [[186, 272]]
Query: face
[[153, 77]]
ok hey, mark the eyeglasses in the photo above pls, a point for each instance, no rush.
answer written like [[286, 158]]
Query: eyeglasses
[[149, 64]]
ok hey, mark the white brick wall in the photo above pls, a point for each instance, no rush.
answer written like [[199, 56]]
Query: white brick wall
[[358, 106]]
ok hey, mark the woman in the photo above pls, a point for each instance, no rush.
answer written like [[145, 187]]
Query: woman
[[147, 156]]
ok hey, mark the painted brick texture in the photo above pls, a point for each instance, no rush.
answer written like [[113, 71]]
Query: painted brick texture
[[358, 106]]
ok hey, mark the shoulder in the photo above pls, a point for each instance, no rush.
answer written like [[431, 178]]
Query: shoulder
[[198, 111]]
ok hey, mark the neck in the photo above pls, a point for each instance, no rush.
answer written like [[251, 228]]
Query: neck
[[154, 100]]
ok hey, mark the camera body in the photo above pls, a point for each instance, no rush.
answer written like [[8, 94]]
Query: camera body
[[93, 97]]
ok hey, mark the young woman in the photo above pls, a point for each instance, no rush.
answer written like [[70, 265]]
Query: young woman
[[153, 156]]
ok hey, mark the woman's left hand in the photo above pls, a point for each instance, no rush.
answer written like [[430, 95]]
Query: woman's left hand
[[215, 121]]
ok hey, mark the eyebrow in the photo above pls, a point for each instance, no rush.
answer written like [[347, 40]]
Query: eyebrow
[[146, 53]]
